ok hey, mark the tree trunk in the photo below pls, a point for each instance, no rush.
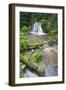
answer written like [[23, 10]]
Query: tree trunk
[[31, 66]]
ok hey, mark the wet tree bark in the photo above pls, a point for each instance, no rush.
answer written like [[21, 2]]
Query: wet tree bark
[[33, 46], [32, 67]]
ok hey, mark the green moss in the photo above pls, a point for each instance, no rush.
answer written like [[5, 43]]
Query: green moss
[[22, 70], [34, 59], [40, 67]]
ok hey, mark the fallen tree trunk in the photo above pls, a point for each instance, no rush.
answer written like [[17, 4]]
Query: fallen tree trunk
[[33, 46], [31, 66]]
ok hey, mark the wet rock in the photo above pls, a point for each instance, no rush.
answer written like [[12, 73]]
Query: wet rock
[[28, 73], [51, 70]]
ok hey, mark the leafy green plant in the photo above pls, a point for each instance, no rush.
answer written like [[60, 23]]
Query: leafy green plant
[[37, 55], [25, 29], [23, 43]]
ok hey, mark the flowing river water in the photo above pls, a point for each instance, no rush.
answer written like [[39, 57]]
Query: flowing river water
[[51, 62], [50, 53]]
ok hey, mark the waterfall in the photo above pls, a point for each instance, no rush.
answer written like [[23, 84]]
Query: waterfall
[[37, 29]]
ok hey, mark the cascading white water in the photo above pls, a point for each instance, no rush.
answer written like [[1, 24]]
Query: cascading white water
[[37, 29]]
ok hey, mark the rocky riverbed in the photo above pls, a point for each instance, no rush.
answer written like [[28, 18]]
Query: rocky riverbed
[[50, 61]]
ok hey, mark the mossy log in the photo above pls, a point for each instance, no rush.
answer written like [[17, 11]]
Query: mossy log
[[31, 66], [37, 45]]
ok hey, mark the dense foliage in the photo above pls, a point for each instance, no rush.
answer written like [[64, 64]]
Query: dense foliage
[[48, 21], [37, 55], [25, 29], [23, 43], [49, 24]]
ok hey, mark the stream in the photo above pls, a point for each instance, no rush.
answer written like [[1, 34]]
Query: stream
[[50, 59]]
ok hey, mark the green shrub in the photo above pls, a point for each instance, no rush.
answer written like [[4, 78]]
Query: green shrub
[[25, 29], [37, 55], [23, 43]]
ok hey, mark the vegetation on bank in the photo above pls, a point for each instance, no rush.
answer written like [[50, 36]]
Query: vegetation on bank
[[33, 57], [49, 23]]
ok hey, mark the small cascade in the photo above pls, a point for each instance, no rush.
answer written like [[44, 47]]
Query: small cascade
[[37, 29]]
